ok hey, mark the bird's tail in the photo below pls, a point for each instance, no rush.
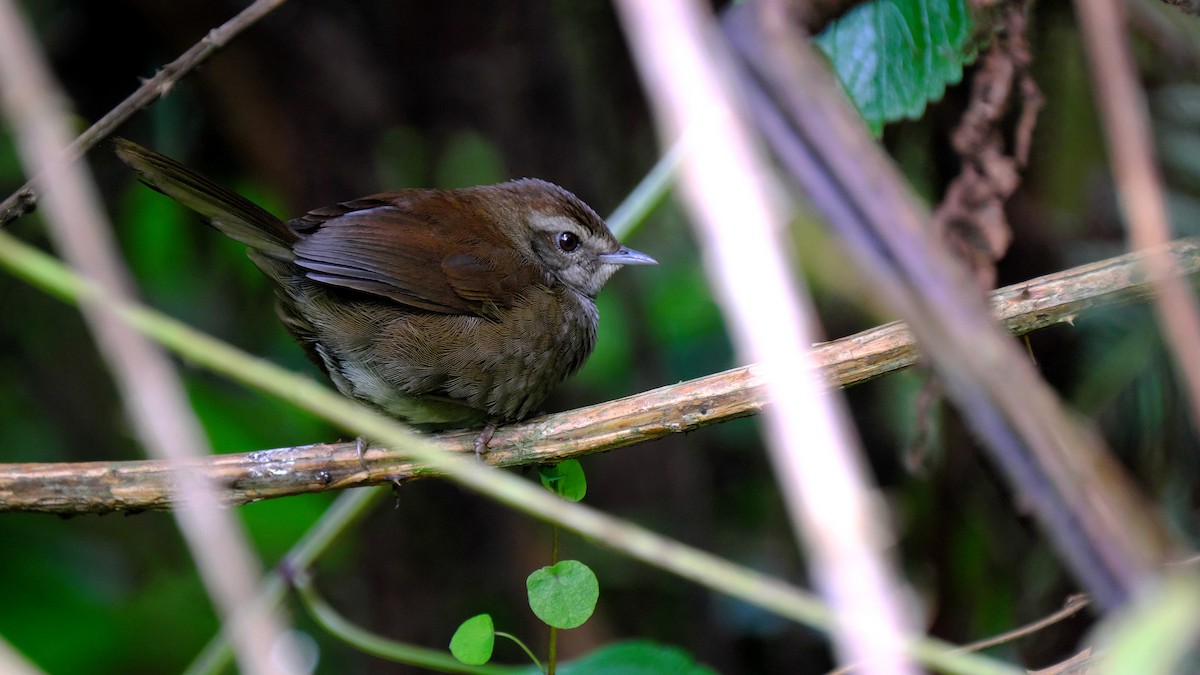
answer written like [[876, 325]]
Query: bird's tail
[[234, 215]]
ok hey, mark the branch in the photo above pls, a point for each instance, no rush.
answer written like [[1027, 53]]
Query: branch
[[726, 178], [24, 200], [98, 487], [1188, 6], [150, 389], [1120, 99], [1106, 532]]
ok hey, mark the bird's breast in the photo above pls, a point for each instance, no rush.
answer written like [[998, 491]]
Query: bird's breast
[[402, 361]]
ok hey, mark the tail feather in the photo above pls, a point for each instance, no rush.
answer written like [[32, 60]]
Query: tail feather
[[235, 216]]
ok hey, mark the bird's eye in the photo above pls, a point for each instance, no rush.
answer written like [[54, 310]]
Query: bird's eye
[[568, 241]]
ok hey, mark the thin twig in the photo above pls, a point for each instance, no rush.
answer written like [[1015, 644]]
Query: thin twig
[[152, 394], [1073, 605], [1121, 101], [97, 487], [24, 200]]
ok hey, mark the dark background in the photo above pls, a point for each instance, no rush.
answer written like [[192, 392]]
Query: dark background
[[325, 101]]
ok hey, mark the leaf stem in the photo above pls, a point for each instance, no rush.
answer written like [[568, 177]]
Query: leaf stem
[[337, 625], [524, 648]]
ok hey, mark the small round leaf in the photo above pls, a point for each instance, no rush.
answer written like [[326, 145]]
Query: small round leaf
[[473, 641], [563, 595], [565, 479]]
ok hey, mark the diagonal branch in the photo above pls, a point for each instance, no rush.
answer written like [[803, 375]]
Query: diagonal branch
[[24, 200], [1139, 182], [1105, 531], [97, 487]]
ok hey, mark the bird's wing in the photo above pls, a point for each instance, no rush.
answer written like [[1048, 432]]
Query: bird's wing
[[450, 259]]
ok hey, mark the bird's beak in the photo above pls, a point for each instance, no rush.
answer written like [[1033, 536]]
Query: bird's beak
[[627, 256]]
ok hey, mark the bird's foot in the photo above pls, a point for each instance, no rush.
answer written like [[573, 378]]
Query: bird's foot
[[485, 437]]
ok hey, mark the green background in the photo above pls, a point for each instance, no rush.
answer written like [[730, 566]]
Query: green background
[[326, 101]]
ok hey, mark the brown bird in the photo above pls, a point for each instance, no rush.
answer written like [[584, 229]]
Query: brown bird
[[444, 308]]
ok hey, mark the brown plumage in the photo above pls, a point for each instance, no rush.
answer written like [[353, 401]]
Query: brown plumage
[[445, 308]]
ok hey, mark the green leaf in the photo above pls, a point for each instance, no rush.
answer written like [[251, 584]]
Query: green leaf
[[894, 56], [565, 479], [636, 657], [563, 595], [473, 641]]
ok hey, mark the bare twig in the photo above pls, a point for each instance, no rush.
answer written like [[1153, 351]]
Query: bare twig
[[153, 396], [97, 487], [1077, 664], [726, 184], [24, 200], [1121, 101], [1074, 605]]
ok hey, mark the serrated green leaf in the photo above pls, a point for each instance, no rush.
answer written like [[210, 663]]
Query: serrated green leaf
[[636, 657], [563, 595], [565, 479], [474, 640], [895, 56]]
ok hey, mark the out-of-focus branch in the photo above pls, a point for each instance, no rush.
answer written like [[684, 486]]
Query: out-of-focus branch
[[1108, 534], [24, 200], [814, 15], [15, 663], [1176, 39], [1122, 105], [729, 189], [1189, 6], [98, 487], [152, 395]]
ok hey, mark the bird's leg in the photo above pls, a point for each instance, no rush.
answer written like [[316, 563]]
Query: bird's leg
[[485, 437]]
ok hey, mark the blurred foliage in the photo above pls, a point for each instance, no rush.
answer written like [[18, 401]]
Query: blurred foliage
[[326, 101], [636, 657]]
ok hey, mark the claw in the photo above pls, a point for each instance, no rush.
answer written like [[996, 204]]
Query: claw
[[485, 437]]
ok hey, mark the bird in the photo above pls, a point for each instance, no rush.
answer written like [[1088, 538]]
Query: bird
[[444, 308]]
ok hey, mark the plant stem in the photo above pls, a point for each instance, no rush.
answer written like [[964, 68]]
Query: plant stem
[[348, 509], [337, 625], [523, 646]]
